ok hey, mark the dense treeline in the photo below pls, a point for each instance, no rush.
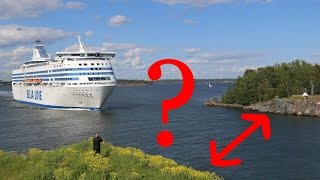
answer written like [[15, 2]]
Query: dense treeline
[[281, 80], [204, 81], [133, 82]]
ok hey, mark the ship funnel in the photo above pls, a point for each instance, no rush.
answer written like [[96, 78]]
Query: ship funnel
[[39, 52]]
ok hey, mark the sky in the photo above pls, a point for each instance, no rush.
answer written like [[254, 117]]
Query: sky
[[215, 38]]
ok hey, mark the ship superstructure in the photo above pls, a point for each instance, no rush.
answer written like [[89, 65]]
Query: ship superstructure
[[69, 80]]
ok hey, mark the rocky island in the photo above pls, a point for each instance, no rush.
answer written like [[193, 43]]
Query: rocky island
[[282, 88], [295, 105]]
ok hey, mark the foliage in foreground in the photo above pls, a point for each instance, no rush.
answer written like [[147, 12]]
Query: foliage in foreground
[[78, 161], [282, 80]]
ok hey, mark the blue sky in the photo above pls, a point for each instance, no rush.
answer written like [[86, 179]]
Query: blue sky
[[216, 38]]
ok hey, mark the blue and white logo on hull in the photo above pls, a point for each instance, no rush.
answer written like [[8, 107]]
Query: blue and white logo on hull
[[35, 95]]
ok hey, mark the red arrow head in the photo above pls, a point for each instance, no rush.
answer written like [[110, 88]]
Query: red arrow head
[[216, 158], [259, 120]]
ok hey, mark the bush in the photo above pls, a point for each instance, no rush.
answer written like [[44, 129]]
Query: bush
[[78, 161]]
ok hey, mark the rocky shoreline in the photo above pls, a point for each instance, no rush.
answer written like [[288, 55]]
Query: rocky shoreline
[[295, 105], [214, 102]]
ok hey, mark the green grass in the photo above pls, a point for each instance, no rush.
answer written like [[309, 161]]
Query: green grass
[[78, 161]]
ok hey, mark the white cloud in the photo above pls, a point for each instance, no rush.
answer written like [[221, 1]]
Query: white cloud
[[72, 48], [138, 51], [118, 20], [75, 5], [242, 68], [129, 55], [14, 58], [134, 57], [130, 63], [193, 2], [221, 64], [118, 46], [316, 54], [33, 8], [205, 3], [26, 8], [89, 33], [219, 57], [13, 35], [192, 50], [16, 53], [11, 59]]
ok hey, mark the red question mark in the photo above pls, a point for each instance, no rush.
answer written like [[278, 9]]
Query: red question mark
[[165, 137]]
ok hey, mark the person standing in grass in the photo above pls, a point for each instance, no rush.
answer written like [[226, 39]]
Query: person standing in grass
[[96, 143]]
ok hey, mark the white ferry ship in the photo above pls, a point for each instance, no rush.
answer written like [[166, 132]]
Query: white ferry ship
[[81, 80]]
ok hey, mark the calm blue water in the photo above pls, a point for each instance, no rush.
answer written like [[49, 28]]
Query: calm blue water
[[134, 119]]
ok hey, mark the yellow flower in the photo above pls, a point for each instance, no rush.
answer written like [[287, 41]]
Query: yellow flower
[[191, 173], [83, 176], [156, 161], [62, 173], [138, 154], [33, 152], [96, 161], [69, 151], [123, 151], [113, 175], [135, 174]]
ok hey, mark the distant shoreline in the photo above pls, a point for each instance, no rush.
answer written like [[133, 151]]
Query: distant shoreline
[[126, 82]]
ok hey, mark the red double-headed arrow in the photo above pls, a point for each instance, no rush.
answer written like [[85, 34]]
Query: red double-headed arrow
[[258, 120]]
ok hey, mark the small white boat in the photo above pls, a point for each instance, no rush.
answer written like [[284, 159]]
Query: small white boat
[[210, 85]]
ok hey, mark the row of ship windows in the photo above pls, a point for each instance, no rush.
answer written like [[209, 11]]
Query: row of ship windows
[[87, 55], [92, 64], [59, 70], [74, 79], [79, 69], [62, 84], [50, 75], [68, 74], [99, 78], [66, 79], [83, 95], [84, 64], [100, 83], [35, 65]]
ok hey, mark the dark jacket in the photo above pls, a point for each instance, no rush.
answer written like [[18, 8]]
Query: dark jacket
[[96, 144]]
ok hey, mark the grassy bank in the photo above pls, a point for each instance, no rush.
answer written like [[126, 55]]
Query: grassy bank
[[78, 161]]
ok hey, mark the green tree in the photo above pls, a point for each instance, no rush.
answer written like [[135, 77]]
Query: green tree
[[282, 80]]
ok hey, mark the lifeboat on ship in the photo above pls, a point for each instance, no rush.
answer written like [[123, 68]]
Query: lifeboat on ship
[[32, 81]]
